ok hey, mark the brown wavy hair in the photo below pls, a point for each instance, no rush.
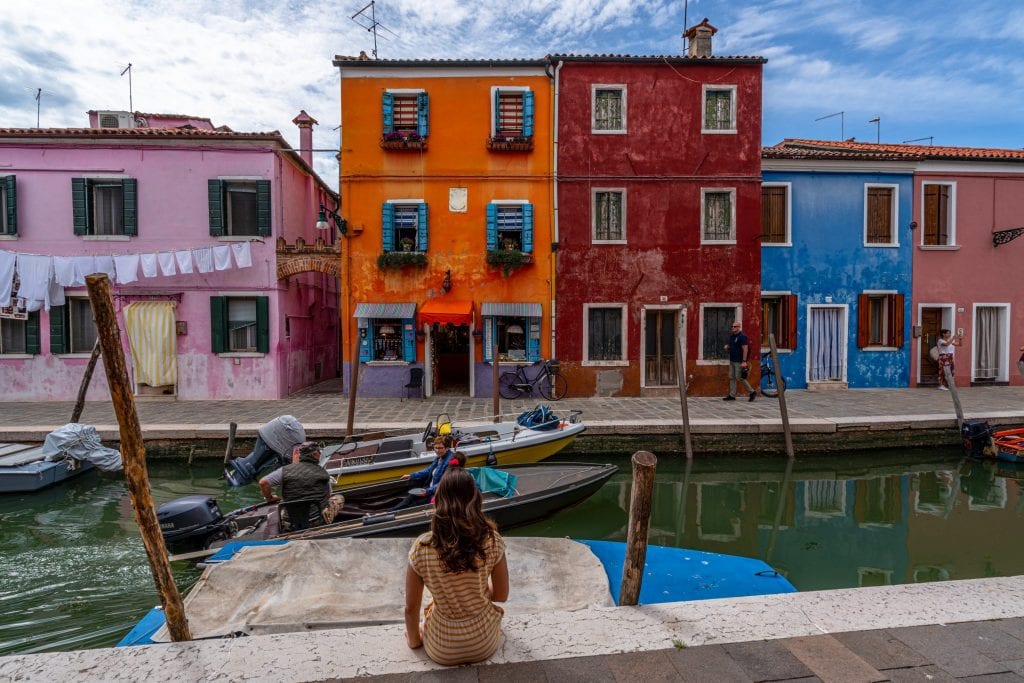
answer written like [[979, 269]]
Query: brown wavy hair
[[460, 530]]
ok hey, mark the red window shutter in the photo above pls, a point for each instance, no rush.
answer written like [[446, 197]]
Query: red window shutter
[[879, 215], [789, 303], [931, 214], [896, 320], [773, 215], [863, 321]]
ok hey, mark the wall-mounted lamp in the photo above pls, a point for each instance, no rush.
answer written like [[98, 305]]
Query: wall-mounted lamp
[[338, 221], [446, 284], [913, 225]]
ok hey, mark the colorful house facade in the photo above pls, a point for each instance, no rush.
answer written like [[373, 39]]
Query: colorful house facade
[[657, 217], [836, 261], [187, 219], [447, 196]]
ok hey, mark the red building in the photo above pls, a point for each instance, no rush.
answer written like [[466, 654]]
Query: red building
[[658, 216]]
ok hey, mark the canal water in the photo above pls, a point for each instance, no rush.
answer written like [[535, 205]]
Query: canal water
[[73, 572]]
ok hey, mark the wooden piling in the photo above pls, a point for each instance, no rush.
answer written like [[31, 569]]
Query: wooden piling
[[353, 372], [781, 385], [133, 453], [496, 407], [229, 449], [86, 379], [683, 405], [644, 464], [956, 397]]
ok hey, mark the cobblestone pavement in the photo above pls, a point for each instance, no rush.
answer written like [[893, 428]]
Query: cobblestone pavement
[[324, 404]]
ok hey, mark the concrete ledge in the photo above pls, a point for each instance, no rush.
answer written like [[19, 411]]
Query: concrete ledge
[[532, 637]]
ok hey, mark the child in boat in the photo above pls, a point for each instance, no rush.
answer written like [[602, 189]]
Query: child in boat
[[461, 560]]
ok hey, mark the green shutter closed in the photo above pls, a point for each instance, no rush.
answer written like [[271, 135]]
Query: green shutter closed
[[263, 324], [80, 205], [58, 329], [129, 204], [263, 208], [215, 193], [32, 333], [10, 187], [218, 323]]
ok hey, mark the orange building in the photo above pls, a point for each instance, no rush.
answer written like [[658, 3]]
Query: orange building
[[446, 190]]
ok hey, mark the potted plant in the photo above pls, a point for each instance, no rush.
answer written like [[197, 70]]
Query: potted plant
[[406, 243], [509, 244]]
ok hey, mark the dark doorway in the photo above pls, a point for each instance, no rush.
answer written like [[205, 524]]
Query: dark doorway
[[931, 323], [660, 348], [451, 359]]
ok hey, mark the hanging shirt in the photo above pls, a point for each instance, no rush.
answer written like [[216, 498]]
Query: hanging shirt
[[7, 261]]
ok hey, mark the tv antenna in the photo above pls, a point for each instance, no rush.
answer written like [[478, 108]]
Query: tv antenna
[[842, 122], [374, 24], [38, 97], [128, 70], [878, 128], [929, 138]]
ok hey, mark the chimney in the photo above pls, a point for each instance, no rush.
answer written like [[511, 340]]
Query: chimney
[[699, 37], [305, 122]]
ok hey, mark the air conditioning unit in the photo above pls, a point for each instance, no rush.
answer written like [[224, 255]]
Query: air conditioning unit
[[116, 119]]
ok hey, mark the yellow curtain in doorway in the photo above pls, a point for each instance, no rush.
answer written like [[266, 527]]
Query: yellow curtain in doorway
[[152, 338]]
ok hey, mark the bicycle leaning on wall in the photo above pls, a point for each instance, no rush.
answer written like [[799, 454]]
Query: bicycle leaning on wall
[[548, 382], [770, 382]]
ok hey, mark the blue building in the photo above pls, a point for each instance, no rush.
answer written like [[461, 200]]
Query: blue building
[[836, 254]]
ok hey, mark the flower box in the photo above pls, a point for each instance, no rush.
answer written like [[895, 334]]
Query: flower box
[[396, 260], [402, 143], [508, 260], [510, 144]]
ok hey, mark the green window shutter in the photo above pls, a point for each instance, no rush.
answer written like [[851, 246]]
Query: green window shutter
[[80, 205], [528, 114], [492, 227], [388, 227], [423, 114], [219, 323], [32, 333], [129, 204], [528, 228], [59, 329], [215, 192], [10, 186], [421, 227], [263, 324], [263, 208]]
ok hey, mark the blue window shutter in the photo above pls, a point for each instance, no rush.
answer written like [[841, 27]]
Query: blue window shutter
[[388, 226], [32, 333], [421, 227], [218, 324], [409, 340], [80, 206], [365, 341], [263, 324], [423, 114], [263, 208], [489, 339], [129, 205], [388, 106], [215, 196], [12, 205], [528, 113], [533, 339], [528, 228], [492, 227]]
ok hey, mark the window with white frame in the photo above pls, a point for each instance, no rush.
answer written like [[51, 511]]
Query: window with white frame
[[406, 114], [510, 226], [775, 216], [13, 338], [718, 113], [513, 113], [880, 320], [609, 223], [104, 206], [880, 206], [608, 104], [241, 324], [72, 329], [938, 214], [716, 327], [239, 207], [605, 333], [718, 215]]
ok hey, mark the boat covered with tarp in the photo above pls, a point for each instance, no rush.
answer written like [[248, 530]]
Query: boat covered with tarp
[[67, 452]]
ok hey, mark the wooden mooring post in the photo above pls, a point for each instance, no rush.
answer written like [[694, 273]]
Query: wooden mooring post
[[228, 450], [133, 453], [781, 385], [644, 464], [683, 405], [951, 383], [496, 407], [353, 371], [86, 379]]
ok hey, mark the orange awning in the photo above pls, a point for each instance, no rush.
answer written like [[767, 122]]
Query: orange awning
[[446, 311]]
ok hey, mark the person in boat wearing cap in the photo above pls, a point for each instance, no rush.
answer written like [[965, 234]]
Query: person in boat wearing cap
[[430, 476], [303, 478]]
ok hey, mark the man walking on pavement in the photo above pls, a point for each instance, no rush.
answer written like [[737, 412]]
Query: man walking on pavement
[[738, 347]]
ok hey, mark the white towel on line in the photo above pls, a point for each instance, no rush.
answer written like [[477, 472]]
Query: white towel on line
[[127, 266], [204, 259], [64, 271], [222, 257], [148, 263], [184, 259], [166, 261], [84, 265], [243, 254], [54, 295], [34, 273], [7, 261], [105, 264]]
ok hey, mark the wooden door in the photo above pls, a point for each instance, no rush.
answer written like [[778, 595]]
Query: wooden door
[[931, 323], [660, 348]]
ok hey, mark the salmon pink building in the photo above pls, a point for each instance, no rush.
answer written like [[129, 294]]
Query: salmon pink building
[[208, 236]]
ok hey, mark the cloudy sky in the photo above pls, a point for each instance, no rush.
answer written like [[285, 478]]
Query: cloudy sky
[[946, 69]]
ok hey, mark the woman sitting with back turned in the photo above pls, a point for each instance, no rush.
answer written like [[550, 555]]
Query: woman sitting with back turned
[[461, 560]]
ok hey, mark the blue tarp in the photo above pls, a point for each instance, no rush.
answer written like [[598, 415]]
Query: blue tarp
[[490, 480]]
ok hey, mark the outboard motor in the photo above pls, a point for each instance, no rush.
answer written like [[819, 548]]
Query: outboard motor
[[242, 471], [977, 436], [192, 523]]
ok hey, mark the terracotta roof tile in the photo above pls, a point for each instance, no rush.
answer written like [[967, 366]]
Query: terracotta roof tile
[[791, 148], [179, 133], [349, 61]]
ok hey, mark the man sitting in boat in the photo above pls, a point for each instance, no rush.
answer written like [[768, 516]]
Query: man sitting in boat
[[430, 476], [303, 479]]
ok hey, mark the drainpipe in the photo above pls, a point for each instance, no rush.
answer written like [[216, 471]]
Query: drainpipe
[[554, 202]]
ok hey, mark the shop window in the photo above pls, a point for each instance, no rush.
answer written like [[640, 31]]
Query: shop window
[[387, 340]]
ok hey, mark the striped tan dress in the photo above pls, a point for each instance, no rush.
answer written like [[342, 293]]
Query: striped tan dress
[[461, 625]]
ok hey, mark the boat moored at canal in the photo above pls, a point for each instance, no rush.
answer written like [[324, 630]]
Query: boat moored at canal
[[981, 441]]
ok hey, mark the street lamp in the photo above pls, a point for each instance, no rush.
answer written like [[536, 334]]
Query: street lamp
[[338, 221]]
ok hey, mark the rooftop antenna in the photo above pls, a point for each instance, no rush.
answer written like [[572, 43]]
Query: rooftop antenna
[[373, 23], [842, 122], [686, 21], [929, 138], [128, 70], [38, 97], [878, 128]]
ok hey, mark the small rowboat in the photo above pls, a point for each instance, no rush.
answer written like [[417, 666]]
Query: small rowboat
[[1009, 445]]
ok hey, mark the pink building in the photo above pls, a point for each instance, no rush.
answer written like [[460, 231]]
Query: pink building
[[165, 194]]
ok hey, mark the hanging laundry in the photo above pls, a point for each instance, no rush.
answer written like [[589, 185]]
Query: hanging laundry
[[148, 262], [184, 259], [84, 265], [54, 295], [127, 266], [64, 271], [243, 254], [7, 261], [222, 257], [34, 273], [105, 264], [166, 261], [204, 259]]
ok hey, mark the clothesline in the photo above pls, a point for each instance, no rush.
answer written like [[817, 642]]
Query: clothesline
[[41, 279]]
